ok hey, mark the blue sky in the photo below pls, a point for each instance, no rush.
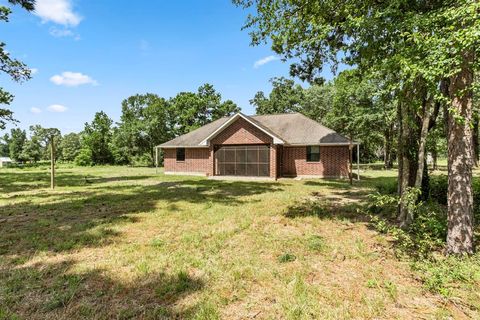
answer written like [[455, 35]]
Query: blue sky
[[90, 55]]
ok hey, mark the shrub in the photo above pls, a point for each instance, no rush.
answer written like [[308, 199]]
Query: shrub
[[144, 160], [439, 188], [427, 232], [84, 158], [387, 186], [286, 257]]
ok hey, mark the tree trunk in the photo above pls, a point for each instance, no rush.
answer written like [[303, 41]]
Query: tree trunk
[[460, 160], [385, 153], [422, 144], [475, 139], [404, 217], [387, 157]]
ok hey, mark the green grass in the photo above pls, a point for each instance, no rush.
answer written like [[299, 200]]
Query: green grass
[[127, 243]]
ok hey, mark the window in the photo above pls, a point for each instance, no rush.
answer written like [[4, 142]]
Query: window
[[243, 160], [313, 153], [180, 154]]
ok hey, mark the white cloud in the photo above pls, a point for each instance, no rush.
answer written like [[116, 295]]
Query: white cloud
[[72, 79], [33, 71], [265, 60], [35, 110], [58, 33], [57, 11], [56, 108]]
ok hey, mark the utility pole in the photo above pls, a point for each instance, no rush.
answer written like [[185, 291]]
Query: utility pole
[[52, 161]]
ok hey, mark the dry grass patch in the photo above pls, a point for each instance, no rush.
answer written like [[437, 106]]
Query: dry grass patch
[[116, 242]]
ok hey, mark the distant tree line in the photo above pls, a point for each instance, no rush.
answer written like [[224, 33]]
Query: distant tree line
[[359, 107], [147, 120]]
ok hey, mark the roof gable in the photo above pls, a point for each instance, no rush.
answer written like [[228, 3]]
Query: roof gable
[[232, 119], [287, 128]]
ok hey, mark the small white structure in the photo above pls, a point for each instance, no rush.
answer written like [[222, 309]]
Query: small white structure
[[5, 161]]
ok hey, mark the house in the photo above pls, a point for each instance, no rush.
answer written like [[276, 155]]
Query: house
[[278, 145], [5, 161]]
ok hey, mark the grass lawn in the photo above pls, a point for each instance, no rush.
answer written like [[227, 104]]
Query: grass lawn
[[120, 243]]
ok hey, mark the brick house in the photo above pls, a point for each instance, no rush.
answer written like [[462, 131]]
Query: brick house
[[279, 145]]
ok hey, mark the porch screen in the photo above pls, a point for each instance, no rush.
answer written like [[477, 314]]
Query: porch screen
[[246, 160]]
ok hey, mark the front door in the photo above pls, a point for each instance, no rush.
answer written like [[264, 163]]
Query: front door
[[242, 160]]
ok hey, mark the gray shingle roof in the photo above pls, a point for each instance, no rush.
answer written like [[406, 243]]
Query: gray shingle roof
[[293, 128]]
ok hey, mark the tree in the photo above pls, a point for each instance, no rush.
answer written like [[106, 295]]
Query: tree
[[318, 101], [4, 149], [97, 137], [145, 123], [17, 140], [32, 150], [44, 137], [347, 104], [285, 97], [192, 110], [16, 69], [416, 42], [70, 146]]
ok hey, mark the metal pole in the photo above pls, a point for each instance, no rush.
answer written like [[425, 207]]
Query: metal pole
[[52, 162], [358, 161]]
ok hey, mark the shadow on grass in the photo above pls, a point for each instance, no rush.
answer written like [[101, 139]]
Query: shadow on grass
[[16, 181], [62, 220], [341, 201], [46, 291]]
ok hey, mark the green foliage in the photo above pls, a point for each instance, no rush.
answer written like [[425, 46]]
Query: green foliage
[[143, 160], [17, 140], [427, 232], [16, 69], [84, 158], [32, 150], [317, 243], [191, 110], [285, 97], [348, 104], [148, 120], [409, 39], [442, 274], [44, 137], [287, 257], [439, 188], [97, 137], [70, 146], [4, 149], [143, 125]]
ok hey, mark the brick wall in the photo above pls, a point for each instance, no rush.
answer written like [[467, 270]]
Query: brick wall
[[196, 160], [286, 161], [334, 162], [242, 132]]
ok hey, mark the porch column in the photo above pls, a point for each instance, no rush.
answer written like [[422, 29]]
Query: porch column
[[211, 161], [273, 161]]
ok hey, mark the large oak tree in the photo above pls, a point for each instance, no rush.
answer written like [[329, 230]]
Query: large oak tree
[[421, 42]]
